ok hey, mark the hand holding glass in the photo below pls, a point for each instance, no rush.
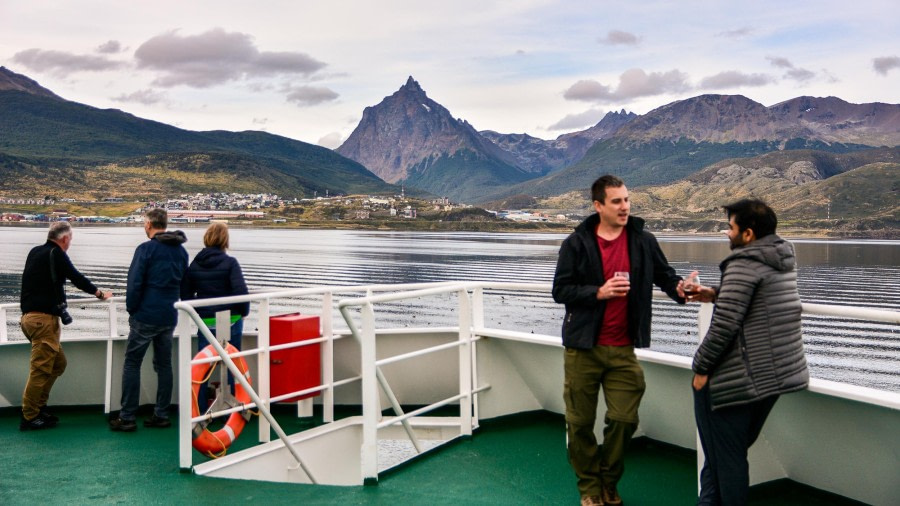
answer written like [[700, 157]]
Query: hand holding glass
[[691, 285]]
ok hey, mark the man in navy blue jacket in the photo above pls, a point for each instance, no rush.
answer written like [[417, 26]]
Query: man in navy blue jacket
[[154, 282]]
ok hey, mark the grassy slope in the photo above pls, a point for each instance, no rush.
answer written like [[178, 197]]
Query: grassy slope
[[51, 139]]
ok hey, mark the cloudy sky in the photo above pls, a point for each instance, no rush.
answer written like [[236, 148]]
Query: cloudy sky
[[306, 70]]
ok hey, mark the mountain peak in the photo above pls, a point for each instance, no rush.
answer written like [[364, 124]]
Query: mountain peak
[[9, 80], [412, 85]]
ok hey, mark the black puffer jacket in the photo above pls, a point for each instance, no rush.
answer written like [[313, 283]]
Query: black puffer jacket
[[754, 347], [215, 274], [579, 273]]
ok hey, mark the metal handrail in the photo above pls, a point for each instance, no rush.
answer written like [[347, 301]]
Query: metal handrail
[[370, 363], [240, 378]]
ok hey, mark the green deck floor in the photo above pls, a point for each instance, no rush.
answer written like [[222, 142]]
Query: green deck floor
[[515, 460]]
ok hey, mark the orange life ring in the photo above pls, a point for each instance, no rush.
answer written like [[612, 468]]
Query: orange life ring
[[215, 444]]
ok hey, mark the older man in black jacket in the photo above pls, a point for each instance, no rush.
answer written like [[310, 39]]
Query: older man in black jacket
[[43, 302], [752, 353], [605, 276]]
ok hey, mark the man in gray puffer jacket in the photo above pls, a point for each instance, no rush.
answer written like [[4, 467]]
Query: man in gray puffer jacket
[[752, 353]]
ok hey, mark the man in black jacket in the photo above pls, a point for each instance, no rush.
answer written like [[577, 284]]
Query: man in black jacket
[[43, 302], [605, 276]]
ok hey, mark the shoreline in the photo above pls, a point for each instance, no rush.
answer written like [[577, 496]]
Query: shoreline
[[484, 227]]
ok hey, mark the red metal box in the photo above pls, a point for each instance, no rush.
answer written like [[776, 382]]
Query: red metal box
[[296, 368]]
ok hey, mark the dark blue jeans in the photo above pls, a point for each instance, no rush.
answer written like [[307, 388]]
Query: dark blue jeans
[[726, 435], [237, 330], [140, 336]]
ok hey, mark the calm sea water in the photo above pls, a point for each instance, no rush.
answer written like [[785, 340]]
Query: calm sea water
[[863, 273]]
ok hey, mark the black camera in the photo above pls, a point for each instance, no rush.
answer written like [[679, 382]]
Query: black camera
[[64, 315]]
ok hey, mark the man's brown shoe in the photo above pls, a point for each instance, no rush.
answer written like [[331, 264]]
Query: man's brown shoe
[[611, 496], [591, 500]]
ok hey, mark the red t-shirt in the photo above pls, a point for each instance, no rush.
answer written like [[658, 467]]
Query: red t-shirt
[[614, 254]]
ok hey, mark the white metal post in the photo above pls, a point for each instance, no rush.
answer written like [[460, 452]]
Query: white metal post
[[704, 318], [369, 395], [465, 363], [4, 335], [328, 358], [478, 307], [185, 397], [113, 334], [262, 367], [477, 322], [223, 335]]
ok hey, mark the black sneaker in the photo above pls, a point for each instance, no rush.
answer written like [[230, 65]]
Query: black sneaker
[[157, 422], [36, 423], [47, 415], [119, 425]]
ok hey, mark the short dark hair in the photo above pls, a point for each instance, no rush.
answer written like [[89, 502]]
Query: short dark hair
[[58, 230], [753, 214], [158, 218], [598, 189]]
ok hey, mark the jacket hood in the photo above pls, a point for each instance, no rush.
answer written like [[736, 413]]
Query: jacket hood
[[590, 223], [173, 238], [210, 257], [770, 250]]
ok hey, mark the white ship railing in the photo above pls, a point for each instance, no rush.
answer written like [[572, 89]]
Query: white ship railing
[[471, 327]]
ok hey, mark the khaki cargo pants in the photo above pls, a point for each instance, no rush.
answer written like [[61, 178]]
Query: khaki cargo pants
[[617, 371], [48, 361]]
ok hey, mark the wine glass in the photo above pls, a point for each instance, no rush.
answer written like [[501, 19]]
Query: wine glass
[[691, 284]]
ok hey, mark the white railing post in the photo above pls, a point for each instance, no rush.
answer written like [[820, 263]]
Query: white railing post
[[327, 357], [185, 391], [465, 363], [477, 322], [369, 395], [113, 334], [478, 307], [704, 318], [262, 367], [4, 335]]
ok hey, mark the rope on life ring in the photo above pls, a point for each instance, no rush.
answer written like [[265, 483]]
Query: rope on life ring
[[215, 444]]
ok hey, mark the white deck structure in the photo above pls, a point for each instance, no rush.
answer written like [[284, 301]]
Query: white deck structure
[[840, 438]]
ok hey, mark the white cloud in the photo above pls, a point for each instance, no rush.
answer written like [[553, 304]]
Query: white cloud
[[62, 63], [216, 57], [310, 95], [793, 72], [587, 118], [633, 83], [109, 47], [780, 62], [331, 141], [737, 33], [618, 37], [146, 97], [884, 64], [734, 79]]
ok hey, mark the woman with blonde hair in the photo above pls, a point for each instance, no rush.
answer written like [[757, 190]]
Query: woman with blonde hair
[[213, 273]]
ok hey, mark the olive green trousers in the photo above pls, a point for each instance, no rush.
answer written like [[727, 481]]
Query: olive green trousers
[[616, 370]]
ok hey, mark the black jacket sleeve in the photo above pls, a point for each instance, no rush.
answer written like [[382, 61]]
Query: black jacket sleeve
[[664, 275], [64, 267], [569, 285]]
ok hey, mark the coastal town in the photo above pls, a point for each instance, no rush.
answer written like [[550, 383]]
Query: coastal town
[[253, 208]]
